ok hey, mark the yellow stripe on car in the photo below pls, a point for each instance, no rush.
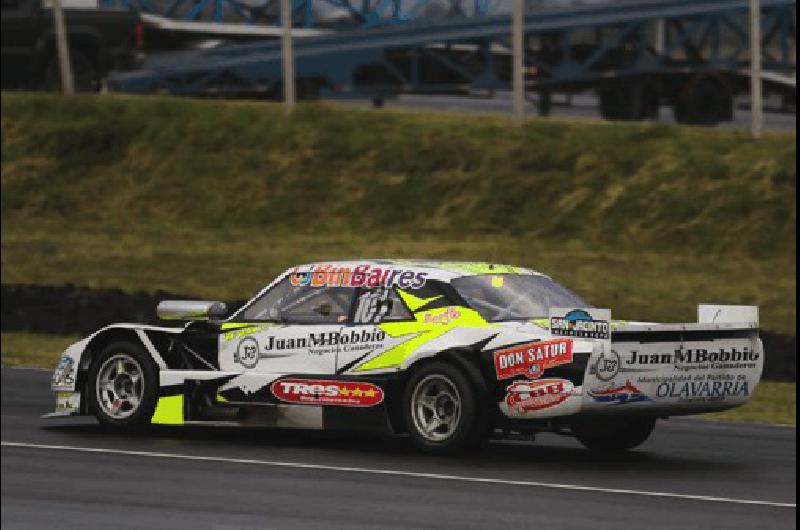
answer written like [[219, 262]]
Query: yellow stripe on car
[[414, 302], [427, 326], [169, 411]]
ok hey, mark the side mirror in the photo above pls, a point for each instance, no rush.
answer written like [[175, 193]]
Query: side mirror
[[191, 310]]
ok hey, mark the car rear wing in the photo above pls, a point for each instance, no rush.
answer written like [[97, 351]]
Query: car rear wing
[[709, 317]]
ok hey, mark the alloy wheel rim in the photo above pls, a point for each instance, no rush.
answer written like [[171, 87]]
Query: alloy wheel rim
[[436, 408], [120, 386]]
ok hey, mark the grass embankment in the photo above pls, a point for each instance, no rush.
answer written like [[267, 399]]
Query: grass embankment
[[772, 402], [214, 198]]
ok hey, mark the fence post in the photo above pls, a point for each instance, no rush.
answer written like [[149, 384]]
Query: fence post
[[518, 81], [756, 100], [67, 84], [288, 55]]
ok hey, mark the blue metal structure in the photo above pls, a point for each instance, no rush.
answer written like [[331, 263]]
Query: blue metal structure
[[357, 13], [611, 49]]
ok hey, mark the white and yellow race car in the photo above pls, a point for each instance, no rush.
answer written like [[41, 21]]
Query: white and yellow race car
[[450, 353]]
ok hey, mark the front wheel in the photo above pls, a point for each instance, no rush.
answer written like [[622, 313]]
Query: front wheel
[[442, 412], [122, 386], [612, 434]]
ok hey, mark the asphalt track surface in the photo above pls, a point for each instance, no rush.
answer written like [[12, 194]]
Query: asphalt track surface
[[71, 474]]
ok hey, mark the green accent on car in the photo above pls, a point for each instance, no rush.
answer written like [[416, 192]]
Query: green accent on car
[[415, 302], [481, 268], [427, 326], [231, 325], [169, 411], [233, 331]]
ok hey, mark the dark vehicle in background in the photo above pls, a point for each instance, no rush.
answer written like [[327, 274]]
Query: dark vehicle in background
[[99, 40]]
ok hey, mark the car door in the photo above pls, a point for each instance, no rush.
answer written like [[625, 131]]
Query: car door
[[288, 330], [363, 336]]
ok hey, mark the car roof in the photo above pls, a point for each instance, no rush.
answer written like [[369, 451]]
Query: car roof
[[438, 269]]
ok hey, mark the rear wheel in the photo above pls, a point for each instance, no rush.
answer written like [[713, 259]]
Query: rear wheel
[[441, 410], [122, 386], [613, 433]]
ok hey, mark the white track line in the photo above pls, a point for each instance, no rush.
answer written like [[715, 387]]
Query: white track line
[[434, 476]]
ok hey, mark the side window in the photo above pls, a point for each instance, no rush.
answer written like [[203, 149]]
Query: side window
[[301, 305], [379, 304], [316, 305], [266, 307]]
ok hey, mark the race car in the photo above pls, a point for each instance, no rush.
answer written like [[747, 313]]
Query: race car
[[450, 353]]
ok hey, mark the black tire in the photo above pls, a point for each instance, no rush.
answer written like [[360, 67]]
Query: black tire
[[143, 412], [613, 434], [705, 101], [469, 431], [84, 74]]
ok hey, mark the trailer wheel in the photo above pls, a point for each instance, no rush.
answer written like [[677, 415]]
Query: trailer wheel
[[612, 434], [629, 101], [704, 101]]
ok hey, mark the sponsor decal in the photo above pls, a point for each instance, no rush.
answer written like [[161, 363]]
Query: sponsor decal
[[325, 392], [244, 331], [703, 390], [64, 374], [609, 365], [249, 350], [532, 359], [330, 338], [683, 359], [579, 323], [444, 318], [527, 396], [358, 276], [68, 401], [618, 394]]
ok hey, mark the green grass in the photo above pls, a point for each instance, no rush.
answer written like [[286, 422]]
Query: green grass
[[646, 285], [32, 350], [166, 161], [772, 402], [213, 198]]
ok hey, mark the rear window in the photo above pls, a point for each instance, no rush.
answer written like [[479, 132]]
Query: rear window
[[499, 297]]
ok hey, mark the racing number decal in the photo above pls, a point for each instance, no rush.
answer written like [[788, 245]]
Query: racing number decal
[[372, 306]]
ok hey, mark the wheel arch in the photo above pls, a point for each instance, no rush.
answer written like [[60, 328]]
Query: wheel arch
[[106, 336], [465, 359]]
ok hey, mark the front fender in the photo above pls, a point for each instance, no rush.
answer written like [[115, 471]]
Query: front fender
[[77, 357]]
